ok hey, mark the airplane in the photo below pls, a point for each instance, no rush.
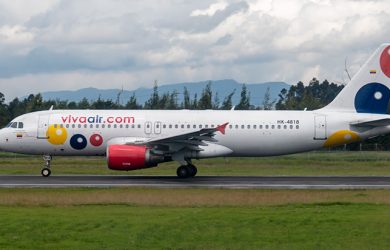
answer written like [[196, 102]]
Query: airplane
[[137, 139]]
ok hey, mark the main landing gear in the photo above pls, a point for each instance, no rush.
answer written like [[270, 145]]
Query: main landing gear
[[45, 172], [186, 171]]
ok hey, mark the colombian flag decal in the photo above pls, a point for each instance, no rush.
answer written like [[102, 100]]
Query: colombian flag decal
[[373, 72]]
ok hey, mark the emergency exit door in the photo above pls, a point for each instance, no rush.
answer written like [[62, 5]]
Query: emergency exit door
[[320, 127]]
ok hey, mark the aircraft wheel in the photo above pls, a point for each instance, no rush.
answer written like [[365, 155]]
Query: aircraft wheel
[[46, 172], [193, 170], [183, 172]]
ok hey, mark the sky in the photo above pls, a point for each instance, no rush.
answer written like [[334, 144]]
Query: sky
[[48, 45]]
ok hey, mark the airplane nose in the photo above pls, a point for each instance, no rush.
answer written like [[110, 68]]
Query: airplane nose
[[2, 139]]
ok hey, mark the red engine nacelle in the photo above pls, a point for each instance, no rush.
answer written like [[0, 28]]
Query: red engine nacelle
[[128, 157]]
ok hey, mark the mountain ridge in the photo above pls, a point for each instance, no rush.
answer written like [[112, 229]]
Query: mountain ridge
[[222, 87]]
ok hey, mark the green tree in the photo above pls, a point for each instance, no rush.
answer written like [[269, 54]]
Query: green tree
[[244, 103], [227, 103], [187, 99], [154, 100], [132, 103], [267, 103], [205, 101]]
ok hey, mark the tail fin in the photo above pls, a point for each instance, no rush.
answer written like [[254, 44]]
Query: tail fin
[[369, 89]]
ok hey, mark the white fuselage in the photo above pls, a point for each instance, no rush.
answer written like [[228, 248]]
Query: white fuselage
[[248, 133]]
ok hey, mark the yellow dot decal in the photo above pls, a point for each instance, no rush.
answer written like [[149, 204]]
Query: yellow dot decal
[[56, 135], [341, 137]]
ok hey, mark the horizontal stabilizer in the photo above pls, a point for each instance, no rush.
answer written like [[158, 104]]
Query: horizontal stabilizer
[[372, 123]]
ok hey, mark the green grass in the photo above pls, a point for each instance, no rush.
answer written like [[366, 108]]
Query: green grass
[[312, 163], [315, 226], [148, 218]]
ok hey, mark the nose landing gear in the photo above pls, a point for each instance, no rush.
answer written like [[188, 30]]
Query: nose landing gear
[[46, 172]]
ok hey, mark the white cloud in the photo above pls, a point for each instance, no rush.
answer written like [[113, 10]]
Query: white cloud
[[69, 44], [210, 11]]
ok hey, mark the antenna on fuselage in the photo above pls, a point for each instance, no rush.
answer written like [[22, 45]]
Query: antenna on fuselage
[[51, 107], [233, 108]]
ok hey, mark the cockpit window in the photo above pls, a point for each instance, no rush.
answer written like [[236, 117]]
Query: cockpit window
[[14, 125], [9, 124], [20, 125]]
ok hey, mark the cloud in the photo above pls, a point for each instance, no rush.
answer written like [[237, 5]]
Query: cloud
[[68, 44]]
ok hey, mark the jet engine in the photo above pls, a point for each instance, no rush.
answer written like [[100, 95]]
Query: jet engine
[[130, 157]]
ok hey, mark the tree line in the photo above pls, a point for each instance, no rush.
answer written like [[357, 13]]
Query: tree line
[[298, 97]]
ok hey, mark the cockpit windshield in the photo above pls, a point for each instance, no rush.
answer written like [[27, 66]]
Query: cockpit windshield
[[14, 125]]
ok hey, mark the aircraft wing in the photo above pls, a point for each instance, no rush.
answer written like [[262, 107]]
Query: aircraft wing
[[191, 140], [372, 123]]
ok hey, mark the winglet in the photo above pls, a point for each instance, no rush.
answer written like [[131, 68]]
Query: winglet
[[221, 128]]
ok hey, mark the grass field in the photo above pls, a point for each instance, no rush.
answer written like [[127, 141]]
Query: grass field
[[193, 219], [312, 163], [196, 218]]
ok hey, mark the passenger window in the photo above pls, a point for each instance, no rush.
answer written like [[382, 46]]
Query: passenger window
[[139, 125], [249, 126], [188, 126], [260, 126], [20, 125], [279, 127], [206, 126], [291, 126], [55, 125], [285, 126], [121, 126], [91, 126], [266, 126], [127, 125], [67, 125], [230, 126], [200, 126], [85, 125], [236, 126], [297, 126], [115, 126], [242, 126], [79, 125], [182, 126], [170, 125], [103, 126], [254, 126], [132, 126], [164, 126], [176, 126], [273, 127], [194, 126], [97, 125], [73, 125]]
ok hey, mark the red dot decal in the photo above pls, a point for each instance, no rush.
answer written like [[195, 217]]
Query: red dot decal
[[385, 61], [96, 140]]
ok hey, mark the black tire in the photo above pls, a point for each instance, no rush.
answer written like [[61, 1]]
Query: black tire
[[193, 170], [46, 172], [183, 172]]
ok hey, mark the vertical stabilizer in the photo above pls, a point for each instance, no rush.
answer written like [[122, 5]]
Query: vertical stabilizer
[[369, 89]]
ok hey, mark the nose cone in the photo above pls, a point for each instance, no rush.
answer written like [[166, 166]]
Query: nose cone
[[3, 139]]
